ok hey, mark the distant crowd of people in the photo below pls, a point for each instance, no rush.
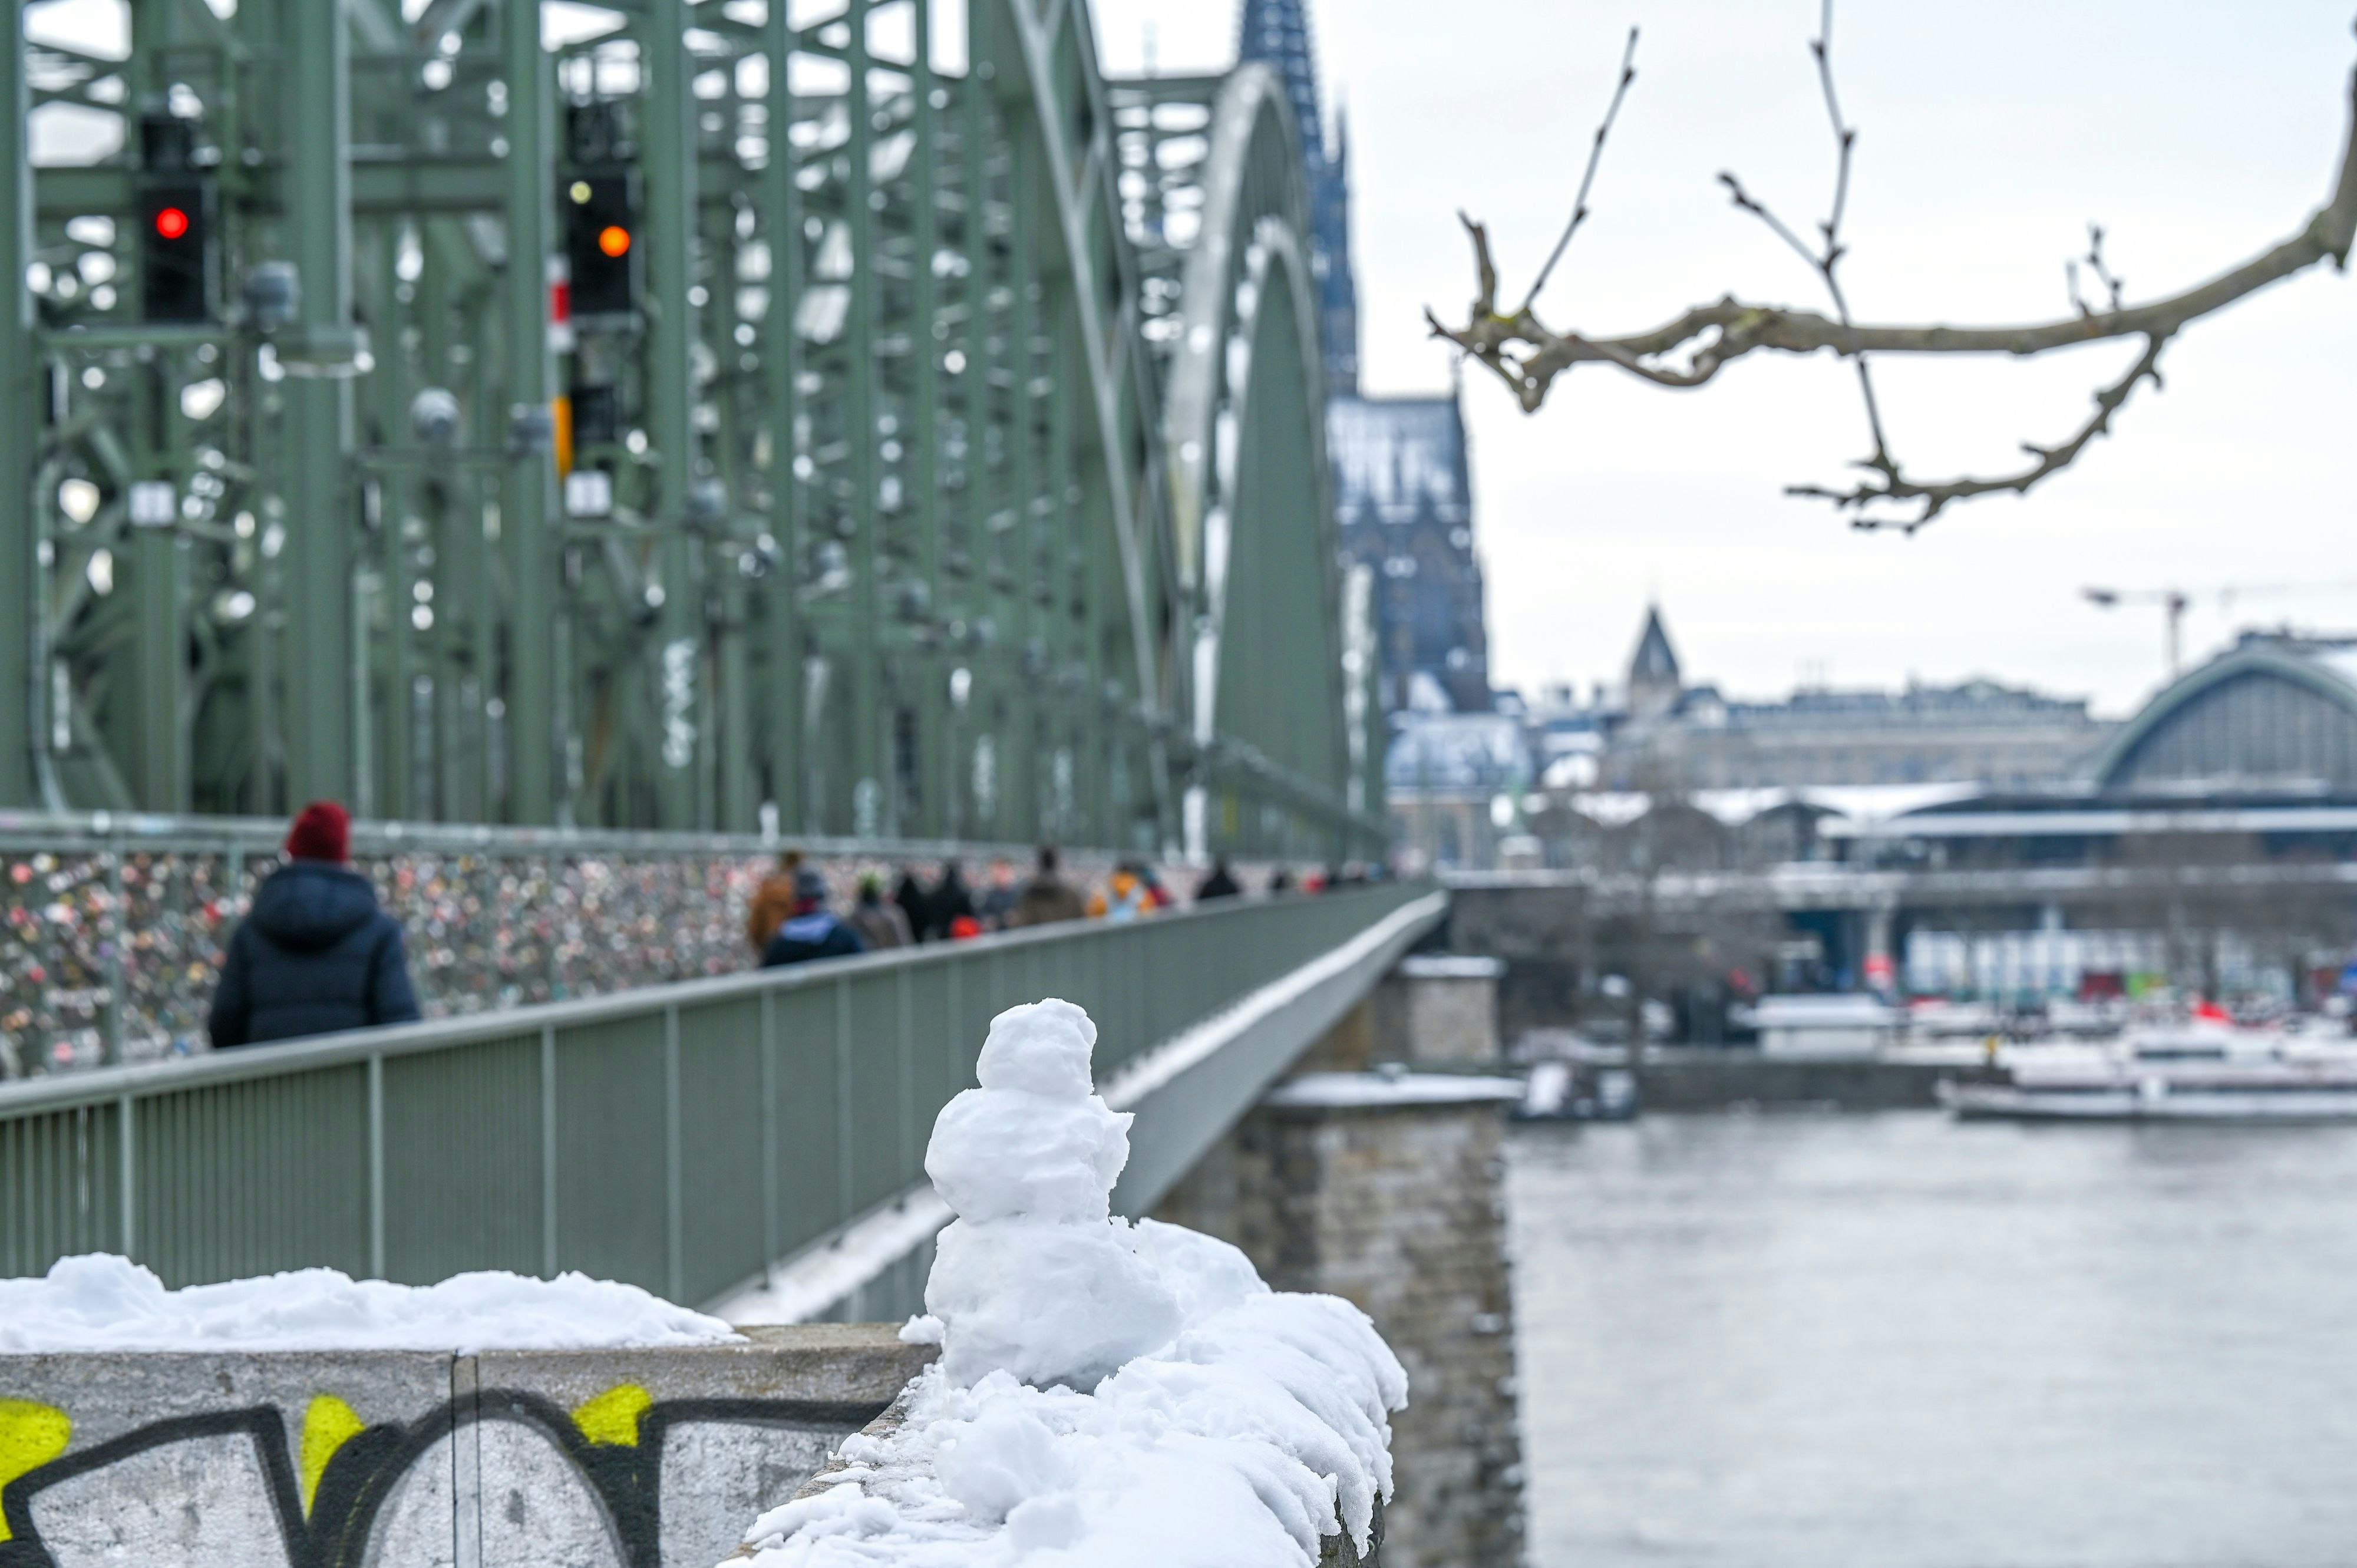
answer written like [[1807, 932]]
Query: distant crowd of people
[[316, 955], [791, 919]]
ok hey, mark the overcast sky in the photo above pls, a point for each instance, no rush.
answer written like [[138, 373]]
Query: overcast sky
[[1990, 135]]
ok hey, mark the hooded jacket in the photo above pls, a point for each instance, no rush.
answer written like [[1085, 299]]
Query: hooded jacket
[[814, 935], [314, 955]]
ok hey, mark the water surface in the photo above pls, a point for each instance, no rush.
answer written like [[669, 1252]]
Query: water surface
[[1893, 1341]]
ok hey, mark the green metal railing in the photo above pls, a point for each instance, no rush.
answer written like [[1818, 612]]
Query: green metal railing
[[680, 1137]]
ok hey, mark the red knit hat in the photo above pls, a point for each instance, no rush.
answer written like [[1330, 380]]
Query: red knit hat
[[323, 831]]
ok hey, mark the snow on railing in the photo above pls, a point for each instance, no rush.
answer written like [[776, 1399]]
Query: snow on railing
[[1105, 1389]]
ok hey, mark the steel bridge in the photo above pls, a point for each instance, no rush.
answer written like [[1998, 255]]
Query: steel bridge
[[949, 465]]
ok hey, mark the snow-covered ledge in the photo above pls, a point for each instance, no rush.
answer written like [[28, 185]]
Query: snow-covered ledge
[[308, 1418], [1107, 1391]]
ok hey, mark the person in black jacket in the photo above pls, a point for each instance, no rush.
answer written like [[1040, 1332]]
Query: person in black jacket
[[315, 954], [949, 901], [1221, 884], [910, 893], [811, 931]]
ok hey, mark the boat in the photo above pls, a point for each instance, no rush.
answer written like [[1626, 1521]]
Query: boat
[[2197, 1074]]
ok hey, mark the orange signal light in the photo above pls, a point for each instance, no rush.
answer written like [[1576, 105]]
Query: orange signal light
[[171, 223], [614, 240]]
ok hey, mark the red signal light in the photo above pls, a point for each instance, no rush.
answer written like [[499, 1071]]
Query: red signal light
[[614, 240], [171, 223]]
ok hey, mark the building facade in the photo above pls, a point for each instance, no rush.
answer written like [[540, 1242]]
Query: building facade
[[1660, 731], [1404, 484]]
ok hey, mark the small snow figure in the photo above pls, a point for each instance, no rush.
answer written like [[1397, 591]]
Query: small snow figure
[[1036, 1277], [1107, 1392]]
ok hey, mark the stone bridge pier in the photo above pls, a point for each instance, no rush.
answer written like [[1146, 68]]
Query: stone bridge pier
[[1375, 1173]]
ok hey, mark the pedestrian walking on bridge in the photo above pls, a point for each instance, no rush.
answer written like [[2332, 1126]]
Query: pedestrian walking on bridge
[[811, 931], [878, 924], [773, 900], [315, 954], [949, 901], [1221, 884], [1046, 897]]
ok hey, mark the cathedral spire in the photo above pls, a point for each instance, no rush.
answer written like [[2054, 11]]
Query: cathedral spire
[[1278, 32]]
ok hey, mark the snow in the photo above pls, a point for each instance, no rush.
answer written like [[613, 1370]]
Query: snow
[[1451, 966], [1033, 1276], [800, 1290], [98, 1301], [1373, 1090], [1108, 1392]]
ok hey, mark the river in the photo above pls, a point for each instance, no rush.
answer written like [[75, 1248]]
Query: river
[[1894, 1341]]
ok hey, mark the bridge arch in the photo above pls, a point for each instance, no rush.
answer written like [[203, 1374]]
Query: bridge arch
[[1251, 491]]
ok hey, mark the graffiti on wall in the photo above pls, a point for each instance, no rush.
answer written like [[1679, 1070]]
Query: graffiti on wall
[[491, 1477]]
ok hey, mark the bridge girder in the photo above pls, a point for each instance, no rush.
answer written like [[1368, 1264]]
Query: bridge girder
[[896, 538]]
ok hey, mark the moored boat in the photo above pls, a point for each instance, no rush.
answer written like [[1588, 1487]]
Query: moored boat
[[2196, 1075]]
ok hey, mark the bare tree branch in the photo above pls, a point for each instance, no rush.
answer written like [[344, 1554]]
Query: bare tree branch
[[1587, 178], [1824, 263], [1690, 350]]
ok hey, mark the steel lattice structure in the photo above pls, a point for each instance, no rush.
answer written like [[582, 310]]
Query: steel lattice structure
[[956, 472]]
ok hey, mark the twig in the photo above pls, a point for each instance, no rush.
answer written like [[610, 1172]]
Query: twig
[[1587, 178], [1936, 497], [2112, 286], [1826, 262]]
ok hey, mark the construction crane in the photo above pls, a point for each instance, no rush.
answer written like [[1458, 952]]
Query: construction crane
[[2174, 602]]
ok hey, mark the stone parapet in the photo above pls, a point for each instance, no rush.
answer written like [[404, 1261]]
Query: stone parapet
[[1385, 1190], [1439, 1010], [633, 1458]]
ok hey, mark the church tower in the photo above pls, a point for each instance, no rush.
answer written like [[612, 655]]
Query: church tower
[[1278, 32], [1654, 682]]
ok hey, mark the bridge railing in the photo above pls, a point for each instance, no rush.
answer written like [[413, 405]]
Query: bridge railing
[[681, 1137]]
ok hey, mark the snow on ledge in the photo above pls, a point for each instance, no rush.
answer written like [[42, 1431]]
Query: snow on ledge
[[1451, 966], [1356, 1090], [99, 1303], [814, 1280], [1106, 1392]]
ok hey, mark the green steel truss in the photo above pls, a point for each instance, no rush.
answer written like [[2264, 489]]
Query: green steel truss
[[965, 458]]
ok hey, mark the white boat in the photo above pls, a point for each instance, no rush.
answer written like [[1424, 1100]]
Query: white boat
[[2198, 1074]]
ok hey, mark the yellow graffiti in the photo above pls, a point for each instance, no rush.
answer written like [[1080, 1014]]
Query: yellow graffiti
[[327, 1424], [613, 1417], [30, 1436]]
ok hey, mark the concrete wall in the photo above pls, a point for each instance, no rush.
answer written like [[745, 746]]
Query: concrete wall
[[583, 1458], [1399, 1210], [1432, 1010], [1439, 1010], [1714, 1080]]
